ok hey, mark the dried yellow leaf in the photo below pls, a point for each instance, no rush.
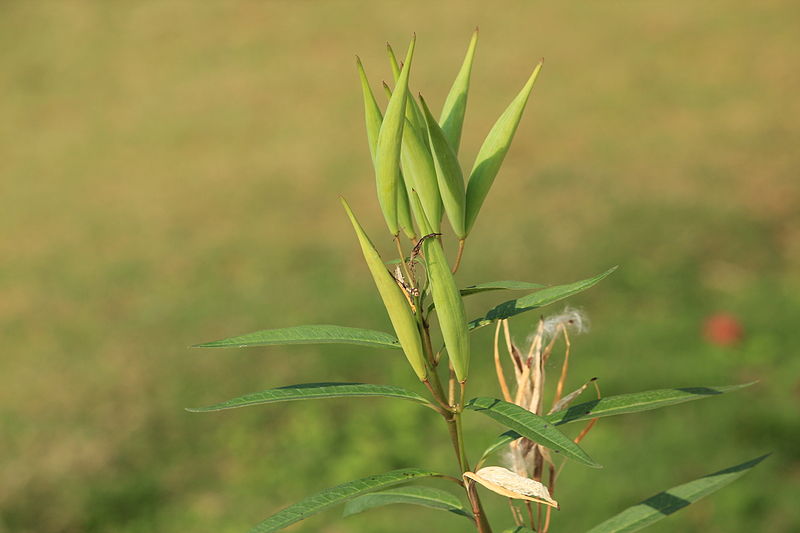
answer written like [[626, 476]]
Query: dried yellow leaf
[[508, 484]]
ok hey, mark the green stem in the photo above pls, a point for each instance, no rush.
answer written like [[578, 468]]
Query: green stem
[[459, 255], [452, 428], [426, 341], [477, 507], [462, 454], [441, 404], [452, 417]]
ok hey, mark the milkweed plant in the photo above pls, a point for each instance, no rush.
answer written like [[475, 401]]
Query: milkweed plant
[[420, 182]]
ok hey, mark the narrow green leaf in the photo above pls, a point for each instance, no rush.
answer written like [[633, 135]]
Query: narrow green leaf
[[339, 494], [387, 151], [493, 151], [313, 391], [617, 405], [503, 440], [495, 286], [424, 496], [455, 105], [500, 285], [372, 113], [316, 334], [536, 300], [665, 503], [531, 426], [448, 173], [637, 402]]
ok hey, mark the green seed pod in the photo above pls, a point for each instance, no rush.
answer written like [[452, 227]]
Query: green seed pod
[[404, 210], [448, 174], [494, 149], [447, 298], [387, 150], [413, 112], [419, 173], [403, 190], [400, 314], [372, 113], [455, 106]]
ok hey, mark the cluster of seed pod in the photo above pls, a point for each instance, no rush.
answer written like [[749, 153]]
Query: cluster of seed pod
[[419, 180]]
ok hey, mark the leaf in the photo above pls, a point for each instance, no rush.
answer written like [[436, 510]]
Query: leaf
[[493, 151], [313, 391], [536, 300], [500, 285], [665, 503], [511, 485], [637, 402], [424, 496], [455, 105], [495, 286], [503, 440], [338, 494], [316, 334], [448, 173], [531, 426], [617, 405]]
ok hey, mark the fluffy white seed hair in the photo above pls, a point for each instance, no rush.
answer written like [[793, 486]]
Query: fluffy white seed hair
[[575, 320]]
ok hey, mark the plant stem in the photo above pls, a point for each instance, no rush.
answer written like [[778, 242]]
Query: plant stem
[[459, 255], [411, 281], [452, 417], [451, 385], [426, 341], [452, 428], [462, 454], [477, 509], [443, 407]]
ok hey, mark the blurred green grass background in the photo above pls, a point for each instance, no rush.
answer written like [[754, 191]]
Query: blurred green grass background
[[169, 176]]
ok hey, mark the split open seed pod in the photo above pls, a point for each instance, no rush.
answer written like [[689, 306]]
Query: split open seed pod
[[508, 484]]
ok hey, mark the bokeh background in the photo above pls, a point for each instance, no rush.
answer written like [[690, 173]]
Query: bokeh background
[[170, 173]]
